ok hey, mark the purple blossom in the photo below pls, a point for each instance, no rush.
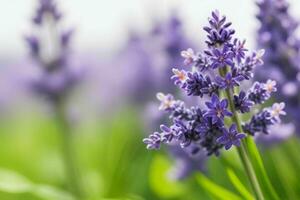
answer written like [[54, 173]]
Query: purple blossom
[[228, 81], [56, 77], [223, 66], [277, 34], [219, 31], [46, 7], [154, 141], [242, 103], [179, 77], [217, 109], [197, 84], [260, 92], [221, 58], [231, 137]]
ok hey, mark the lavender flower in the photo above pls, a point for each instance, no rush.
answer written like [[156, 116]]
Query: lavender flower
[[242, 103], [218, 70], [46, 7], [231, 137], [228, 81], [217, 109], [277, 34], [55, 76]]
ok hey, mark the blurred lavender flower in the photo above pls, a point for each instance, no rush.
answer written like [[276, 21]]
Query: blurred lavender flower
[[225, 61], [55, 76], [148, 59], [277, 35]]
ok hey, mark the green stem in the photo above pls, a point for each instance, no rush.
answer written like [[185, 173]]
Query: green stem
[[242, 150], [68, 152], [243, 154]]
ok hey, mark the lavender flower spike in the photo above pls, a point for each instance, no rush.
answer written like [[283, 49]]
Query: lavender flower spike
[[277, 34], [219, 70]]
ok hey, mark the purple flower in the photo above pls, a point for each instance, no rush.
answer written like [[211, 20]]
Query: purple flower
[[219, 31], [56, 76], [46, 7], [231, 137], [239, 49], [198, 85], [228, 81], [217, 109], [179, 77], [222, 67], [33, 44], [221, 58], [261, 122], [242, 103], [277, 34], [258, 93], [189, 56], [154, 141]]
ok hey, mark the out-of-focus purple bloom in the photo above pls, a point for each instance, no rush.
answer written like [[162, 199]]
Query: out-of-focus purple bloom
[[277, 34], [217, 109], [231, 137], [187, 161], [55, 76], [33, 44], [189, 56], [46, 8], [153, 141], [260, 92], [261, 122]]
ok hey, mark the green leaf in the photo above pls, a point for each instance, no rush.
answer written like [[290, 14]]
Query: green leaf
[[239, 185], [163, 185], [12, 182], [48, 193], [260, 169], [216, 190]]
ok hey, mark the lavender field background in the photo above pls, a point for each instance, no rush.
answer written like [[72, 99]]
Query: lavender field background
[[78, 96]]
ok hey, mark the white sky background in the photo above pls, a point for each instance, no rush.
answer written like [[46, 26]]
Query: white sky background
[[102, 26]]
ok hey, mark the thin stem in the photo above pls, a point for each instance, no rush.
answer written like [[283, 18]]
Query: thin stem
[[68, 152], [242, 150]]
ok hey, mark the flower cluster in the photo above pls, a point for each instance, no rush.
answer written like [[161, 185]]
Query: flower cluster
[[216, 74], [277, 35], [55, 75]]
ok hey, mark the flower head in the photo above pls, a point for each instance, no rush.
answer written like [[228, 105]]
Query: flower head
[[231, 137], [189, 56], [179, 76], [242, 103], [270, 86], [217, 109], [277, 110], [223, 66], [166, 101], [229, 81]]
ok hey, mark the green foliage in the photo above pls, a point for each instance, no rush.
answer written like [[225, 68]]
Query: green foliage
[[114, 164]]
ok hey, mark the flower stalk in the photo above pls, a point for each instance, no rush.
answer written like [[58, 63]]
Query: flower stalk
[[68, 151], [242, 150]]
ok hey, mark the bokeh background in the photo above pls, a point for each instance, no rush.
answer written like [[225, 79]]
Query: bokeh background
[[110, 110]]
